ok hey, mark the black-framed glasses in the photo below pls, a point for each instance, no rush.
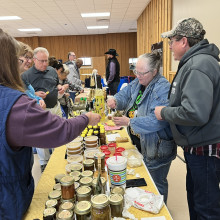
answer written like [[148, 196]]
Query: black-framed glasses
[[20, 61], [140, 73], [41, 61], [28, 58]]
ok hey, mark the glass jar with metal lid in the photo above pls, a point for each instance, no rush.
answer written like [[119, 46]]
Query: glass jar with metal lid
[[100, 207], [99, 156], [84, 193], [76, 167], [88, 164], [118, 190], [65, 215], [49, 214], [86, 181], [57, 186], [83, 210], [67, 187], [67, 206], [55, 194], [87, 173], [75, 173], [76, 178], [51, 203], [94, 183], [116, 204], [58, 177]]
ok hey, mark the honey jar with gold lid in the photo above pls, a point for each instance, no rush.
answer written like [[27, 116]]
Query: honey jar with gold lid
[[67, 187], [84, 193], [100, 207], [87, 173], [65, 215], [49, 214], [116, 204], [83, 210], [88, 164], [86, 181], [67, 206]]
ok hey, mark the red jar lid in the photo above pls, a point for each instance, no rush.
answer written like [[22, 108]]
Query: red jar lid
[[112, 145], [104, 147], [107, 152], [119, 149], [117, 154]]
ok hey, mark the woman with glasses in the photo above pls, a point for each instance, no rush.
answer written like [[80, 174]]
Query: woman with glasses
[[152, 138]]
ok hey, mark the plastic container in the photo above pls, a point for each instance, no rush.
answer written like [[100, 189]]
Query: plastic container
[[134, 158], [94, 145], [112, 147], [77, 158], [91, 139], [104, 147], [89, 153], [120, 149], [72, 146]]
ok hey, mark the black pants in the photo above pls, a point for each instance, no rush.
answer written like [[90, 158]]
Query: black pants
[[113, 88]]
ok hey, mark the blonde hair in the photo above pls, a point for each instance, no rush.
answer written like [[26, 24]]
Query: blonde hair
[[24, 49]]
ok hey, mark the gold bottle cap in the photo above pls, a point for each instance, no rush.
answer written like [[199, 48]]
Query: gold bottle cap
[[87, 173], [57, 186], [55, 194], [51, 203], [118, 190], [88, 162], [75, 173], [65, 214], [100, 201], [82, 190], [76, 167], [86, 181], [67, 205], [49, 212], [115, 199], [67, 180], [82, 207]]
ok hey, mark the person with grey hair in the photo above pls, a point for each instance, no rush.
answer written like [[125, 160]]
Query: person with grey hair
[[45, 82], [194, 115], [152, 138]]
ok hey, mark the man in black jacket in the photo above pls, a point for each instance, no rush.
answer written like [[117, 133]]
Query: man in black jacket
[[112, 71]]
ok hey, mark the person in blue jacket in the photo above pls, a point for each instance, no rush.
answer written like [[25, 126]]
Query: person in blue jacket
[[152, 137]]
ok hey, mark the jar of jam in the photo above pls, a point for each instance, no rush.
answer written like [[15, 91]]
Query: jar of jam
[[67, 206], [100, 207], [57, 186], [87, 173], [76, 167], [103, 181], [65, 215], [100, 159], [118, 190], [75, 173], [67, 187], [103, 148], [49, 214], [88, 164], [111, 147], [51, 203], [102, 136], [83, 210], [55, 194], [116, 204], [107, 153], [86, 181], [83, 193], [58, 177]]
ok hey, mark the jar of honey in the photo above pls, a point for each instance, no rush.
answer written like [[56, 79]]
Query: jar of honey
[[116, 204], [83, 193], [87, 173], [65, 215], [49, 214], [100, 159], [67, 187], [88, 164], [83, 210]]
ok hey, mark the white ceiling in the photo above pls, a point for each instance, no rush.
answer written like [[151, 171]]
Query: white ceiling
[[62, 17]]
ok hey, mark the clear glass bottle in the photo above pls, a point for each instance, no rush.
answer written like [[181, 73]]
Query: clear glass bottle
[[83, 210], [100, 207]]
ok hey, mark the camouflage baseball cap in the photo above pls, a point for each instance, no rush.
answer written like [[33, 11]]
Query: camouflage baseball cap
[[188, 27]]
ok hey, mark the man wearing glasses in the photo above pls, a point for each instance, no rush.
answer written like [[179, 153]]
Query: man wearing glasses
[[194, 115], [45, 81]]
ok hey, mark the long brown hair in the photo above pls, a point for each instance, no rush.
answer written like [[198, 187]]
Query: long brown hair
[[9, 74]]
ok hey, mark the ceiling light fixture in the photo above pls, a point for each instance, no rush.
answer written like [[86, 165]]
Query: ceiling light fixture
[[6, 18], [89, 15], [97, 27], [30, 29]]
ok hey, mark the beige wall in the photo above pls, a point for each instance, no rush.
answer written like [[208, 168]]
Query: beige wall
[[207, 12]]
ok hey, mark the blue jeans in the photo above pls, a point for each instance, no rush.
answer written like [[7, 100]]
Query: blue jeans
[[72, 96], [202, 185], [159, 176]]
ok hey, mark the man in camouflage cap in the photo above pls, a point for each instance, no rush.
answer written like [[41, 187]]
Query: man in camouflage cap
[[194, 115]]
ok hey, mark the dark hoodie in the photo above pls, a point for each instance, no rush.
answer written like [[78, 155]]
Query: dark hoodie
[[194, 112]]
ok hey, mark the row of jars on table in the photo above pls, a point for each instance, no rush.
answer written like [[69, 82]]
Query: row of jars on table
[[64, 201]]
